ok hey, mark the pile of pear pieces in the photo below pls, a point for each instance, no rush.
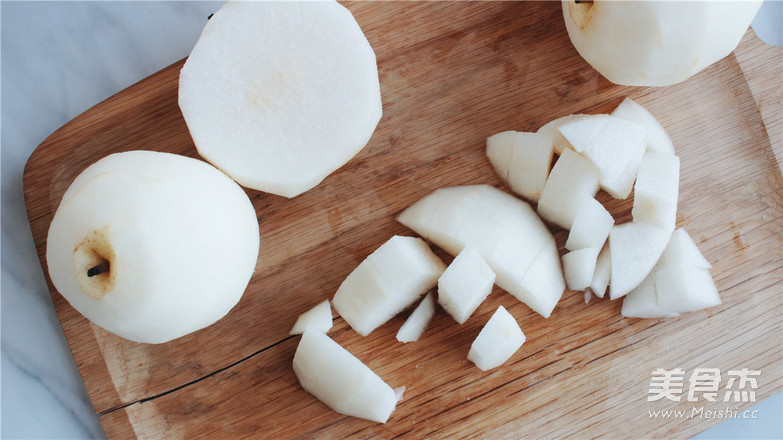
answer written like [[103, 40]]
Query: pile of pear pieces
[[498, 238]]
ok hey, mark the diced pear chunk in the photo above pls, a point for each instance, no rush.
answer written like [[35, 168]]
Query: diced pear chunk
[[340, 380], [559, 142], [655, 136], [318, 318], [603, 271], [681, 282], [505, 231], [500, 338], [642, 302], [684, 288], [572, 180], [634, 249], [579, 267], [656, 190], [388, 281], [614, 145], [591, 226], [465, 284], [682, 278], [580, 132], [682, 251], [414, 326], [522, 160]]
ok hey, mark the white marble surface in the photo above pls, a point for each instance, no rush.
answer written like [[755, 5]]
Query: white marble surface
[[59, 59]]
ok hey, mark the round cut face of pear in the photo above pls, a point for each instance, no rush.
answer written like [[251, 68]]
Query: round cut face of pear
[[278, 95]]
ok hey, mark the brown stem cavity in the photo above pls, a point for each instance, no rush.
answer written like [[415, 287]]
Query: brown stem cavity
[[92, 260], [581, 12]]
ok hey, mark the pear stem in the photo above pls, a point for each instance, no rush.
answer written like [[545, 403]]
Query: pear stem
[[99, 269]]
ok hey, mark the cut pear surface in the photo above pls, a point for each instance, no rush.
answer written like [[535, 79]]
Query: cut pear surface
[[387, 282], [655, 43], [614, 145], [580, 132], [642, 302], [500, 338], [278, 95], [414, 326], [682, 277], [634, 249], [522, 161], [682, 251], [579, 267], [656, 190], [504, 230], [559, 142], [685, 288], [603, 272], [591, 226], [319, 318], [572, 181], [656, 138], [340, 380], [465, 284], [680, 282], [152, 246]]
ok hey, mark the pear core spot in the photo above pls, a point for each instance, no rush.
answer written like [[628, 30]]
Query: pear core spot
[[581, 12], [92, 264]]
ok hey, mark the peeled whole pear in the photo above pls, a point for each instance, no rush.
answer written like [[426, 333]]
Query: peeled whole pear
[[655, 43], [152, 246]]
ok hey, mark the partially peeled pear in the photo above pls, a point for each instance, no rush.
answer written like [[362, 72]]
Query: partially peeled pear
[[152, 246], [655, 43]]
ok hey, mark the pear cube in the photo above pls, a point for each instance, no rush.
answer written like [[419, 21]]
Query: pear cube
[[522, 160], [414, 326], [579, 267], [340, 380], [388, 281], [573, 180], [505, 231], [642, 302], [465, 284], [580, 132], [682, 251], [559, 142], [681, 282], [614, 145], [657, 189], [319, 318], [500, 338], [685, 288], [591, 226], [634, 249], [655, 137], [682, 276], [603, 271]]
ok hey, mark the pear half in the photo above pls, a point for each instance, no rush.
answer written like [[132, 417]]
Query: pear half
[[152, 246]]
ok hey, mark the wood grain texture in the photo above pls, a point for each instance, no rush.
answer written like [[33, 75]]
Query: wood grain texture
[[451, 74]]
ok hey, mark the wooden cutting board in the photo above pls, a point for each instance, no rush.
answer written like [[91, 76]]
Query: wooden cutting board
[[451, 74]]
